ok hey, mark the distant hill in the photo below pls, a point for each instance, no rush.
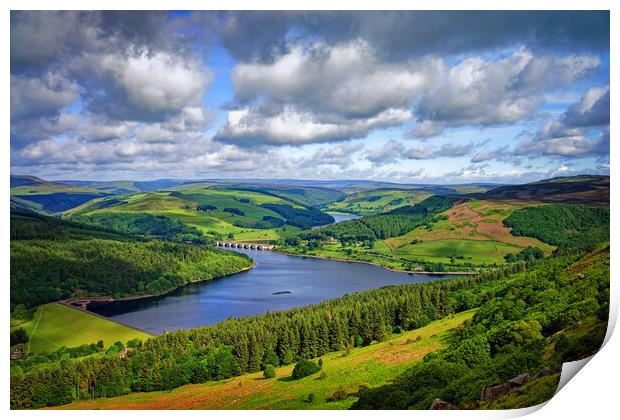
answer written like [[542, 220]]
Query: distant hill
[[125, 186], [369, 202], [19, 180], [583, 189], [49, 197]]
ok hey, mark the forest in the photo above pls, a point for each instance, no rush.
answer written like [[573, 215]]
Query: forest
[[53, 259], [567, 226]]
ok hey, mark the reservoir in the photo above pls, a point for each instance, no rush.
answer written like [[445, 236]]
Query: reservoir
[[276, 282]]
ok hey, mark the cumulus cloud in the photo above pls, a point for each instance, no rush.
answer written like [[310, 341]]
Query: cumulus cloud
[[393, 151], [350, 83], [425, 129], [44, 39], [250, 126], [42, 96], [145, 86], [126, 91], [388, 153], [342, 79], [591, 110], [487, 92], [581, 131], [400, 35], [501, 154], [340, 156], [577, 146]]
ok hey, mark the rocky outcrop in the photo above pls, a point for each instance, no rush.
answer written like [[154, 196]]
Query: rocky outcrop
[[519, 380], [493, 392], [438, 404]]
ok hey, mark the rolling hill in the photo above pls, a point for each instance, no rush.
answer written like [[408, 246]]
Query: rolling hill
[[468, 231], [48, 197], [584, 189], [216, 211], [377, 201]]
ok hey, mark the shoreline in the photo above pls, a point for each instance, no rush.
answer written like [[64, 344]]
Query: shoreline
[[378, 265], [106, 299]]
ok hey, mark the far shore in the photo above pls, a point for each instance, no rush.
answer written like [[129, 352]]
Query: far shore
[[108, 299], [376, 265]]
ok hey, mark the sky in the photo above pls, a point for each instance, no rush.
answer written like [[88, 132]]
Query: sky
[[412, 97]]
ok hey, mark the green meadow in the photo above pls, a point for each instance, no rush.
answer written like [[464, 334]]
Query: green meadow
[[55, 325]]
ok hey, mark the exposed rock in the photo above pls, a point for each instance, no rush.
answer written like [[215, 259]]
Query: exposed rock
[[493, 392], [438, 404], [519, 380]]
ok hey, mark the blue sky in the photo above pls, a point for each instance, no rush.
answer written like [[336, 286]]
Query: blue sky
[[398, 96]]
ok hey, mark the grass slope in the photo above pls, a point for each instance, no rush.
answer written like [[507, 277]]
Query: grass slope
[[370, 202], [181, 206], [372, 365], [55, 325]]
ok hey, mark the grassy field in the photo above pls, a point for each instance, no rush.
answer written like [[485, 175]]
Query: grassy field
[[55, 325], [181, 205], [377, 201]]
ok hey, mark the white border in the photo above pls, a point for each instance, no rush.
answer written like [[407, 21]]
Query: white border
[[592, 395]]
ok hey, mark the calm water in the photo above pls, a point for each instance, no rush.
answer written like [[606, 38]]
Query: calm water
[[343, 217], [309, 280]]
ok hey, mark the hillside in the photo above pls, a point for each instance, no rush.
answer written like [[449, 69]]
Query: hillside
[[534, 322], [585, 189], [469, 231], [218, 212], [49, 197], [305, 196], [48, 331], [370, 202], [372, 365], [52, 260], [125, 187]]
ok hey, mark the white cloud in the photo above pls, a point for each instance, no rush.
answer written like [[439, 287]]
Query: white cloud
[[248, 126], [43, 96], [347, 79], [146, 86]]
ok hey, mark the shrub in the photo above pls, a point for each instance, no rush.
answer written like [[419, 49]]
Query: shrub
[[269, 372], [305, 368], [339, 395], [271, 358]]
